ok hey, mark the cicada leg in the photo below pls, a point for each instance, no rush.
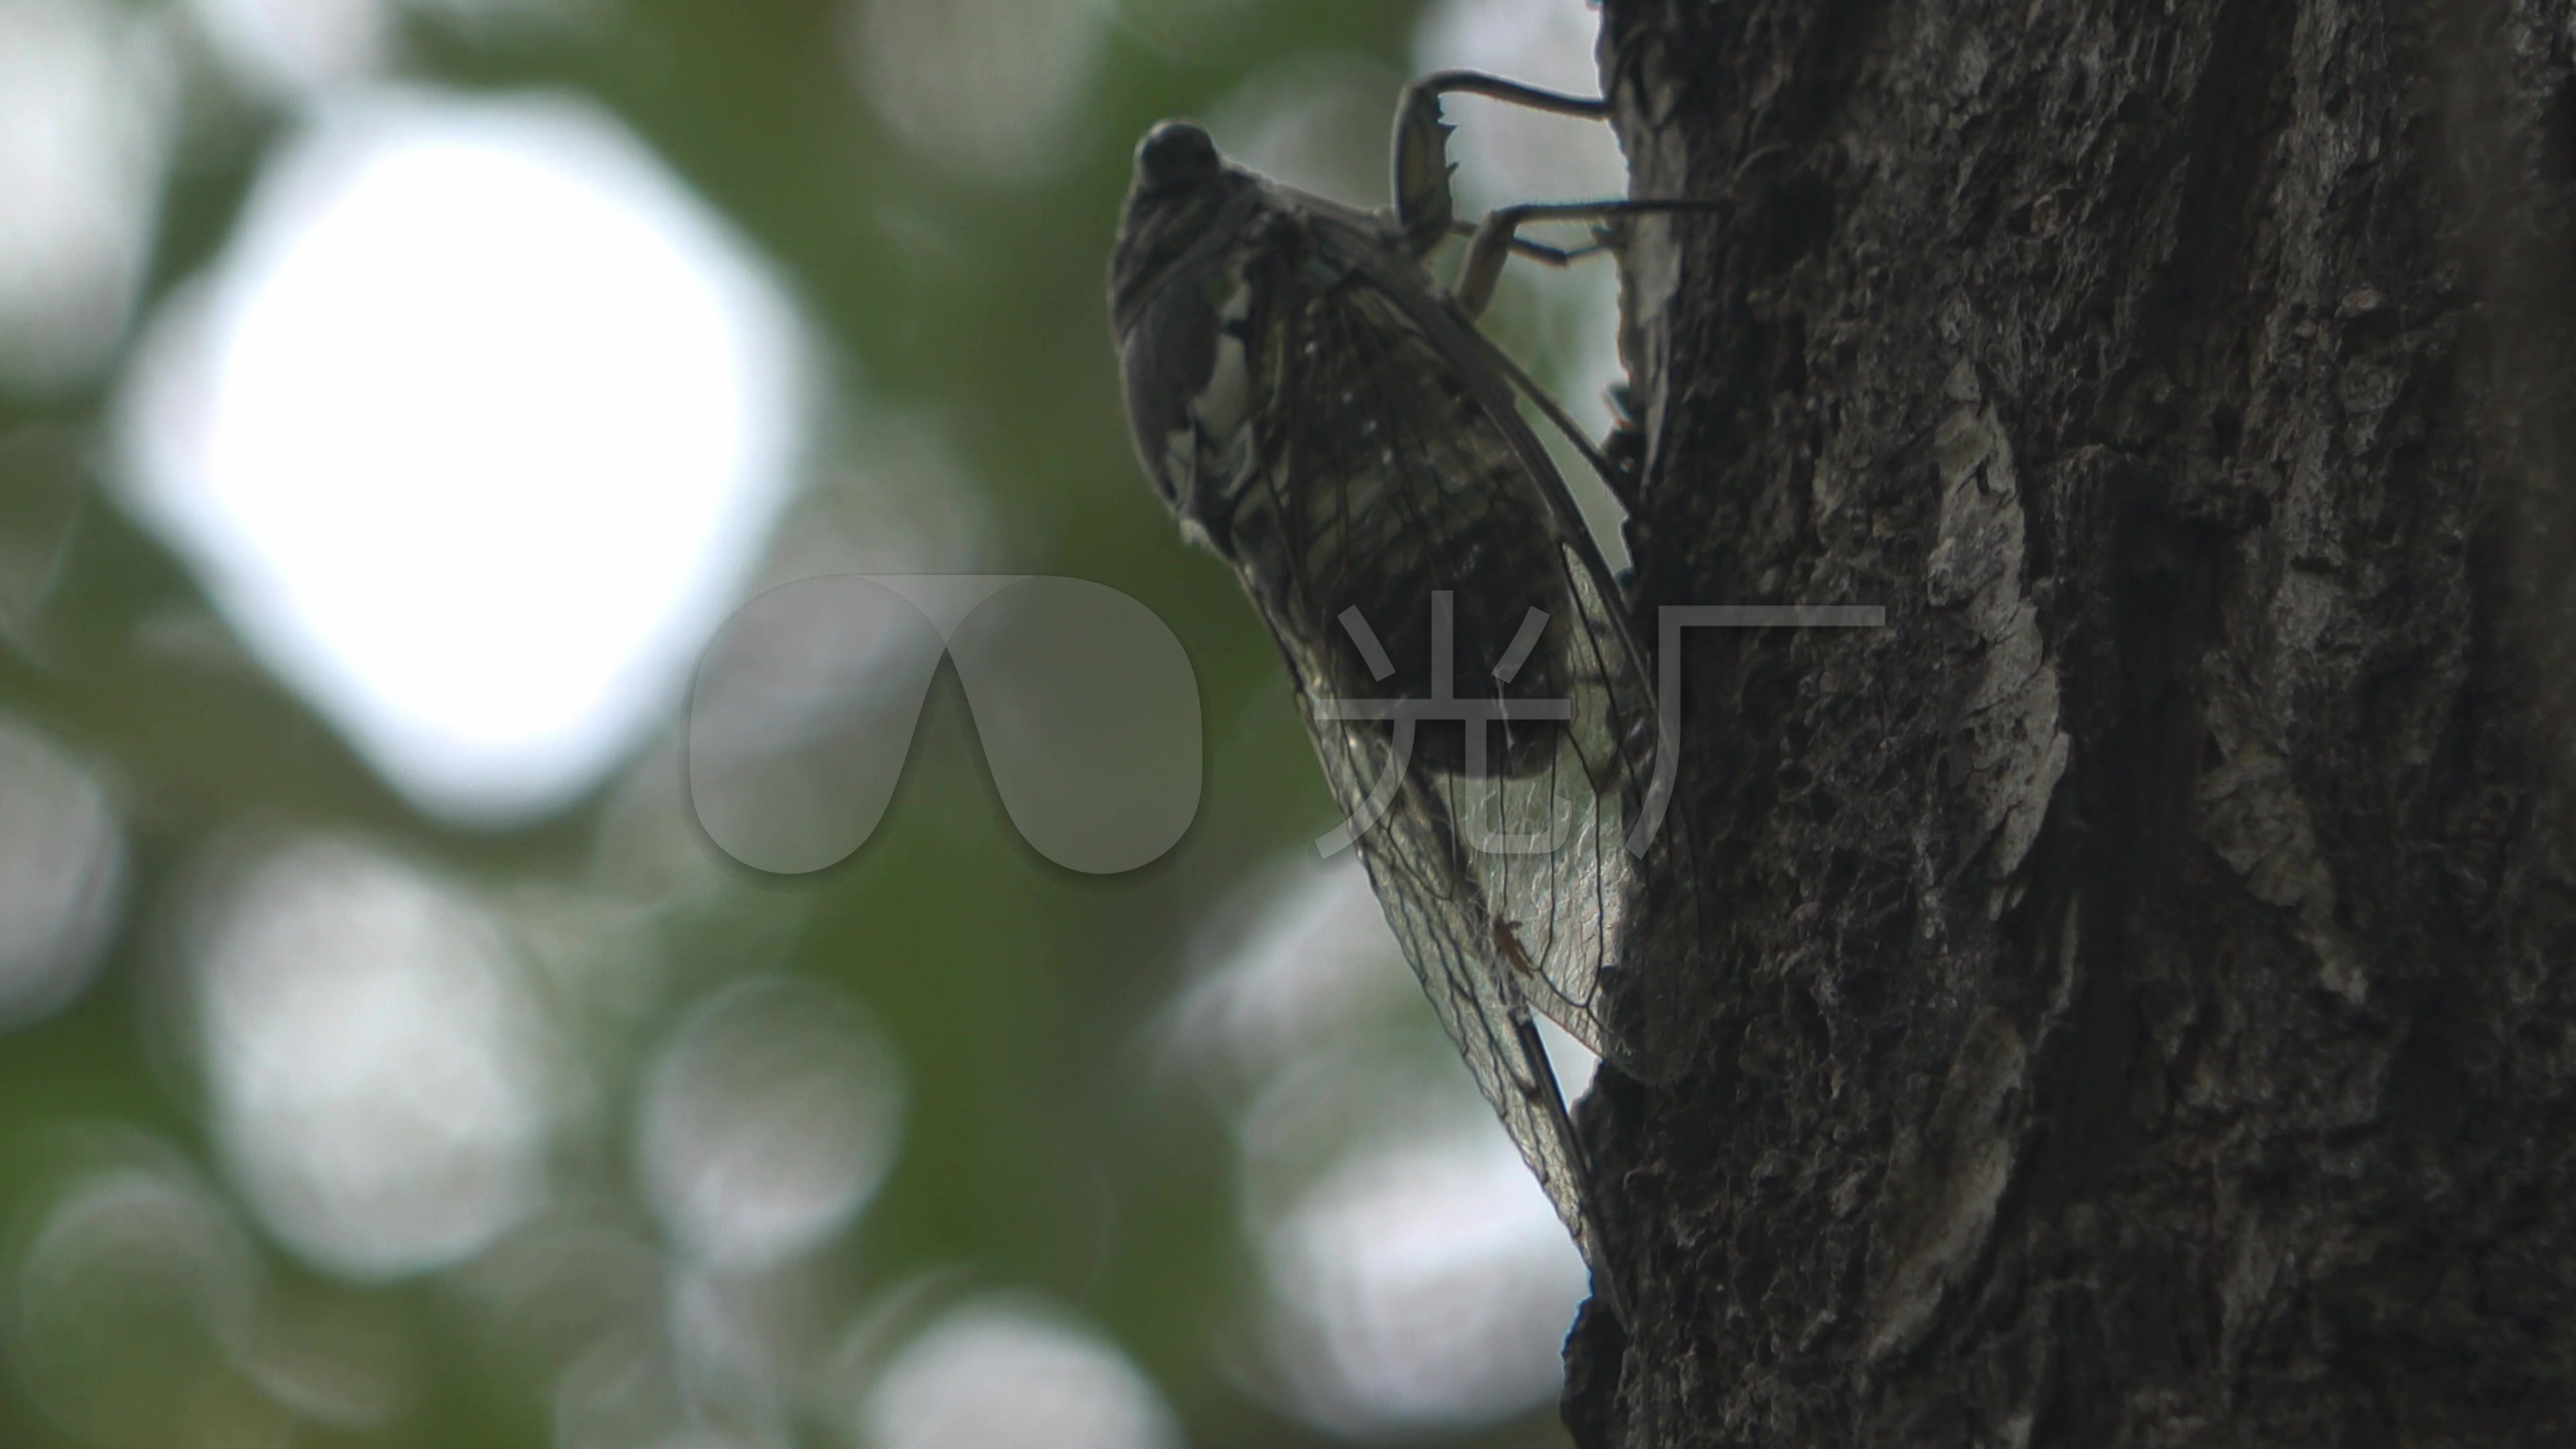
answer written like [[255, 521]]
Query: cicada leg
[[1425, 214], [1423, 210], [1496, 239]]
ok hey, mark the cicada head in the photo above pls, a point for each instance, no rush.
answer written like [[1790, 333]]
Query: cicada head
[[1179, 187], [1175, 272]]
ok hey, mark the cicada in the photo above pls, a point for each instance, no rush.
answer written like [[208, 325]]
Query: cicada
[[1321, 415]]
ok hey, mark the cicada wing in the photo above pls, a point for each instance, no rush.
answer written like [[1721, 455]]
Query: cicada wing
[[1405, 470], [1440, 924]]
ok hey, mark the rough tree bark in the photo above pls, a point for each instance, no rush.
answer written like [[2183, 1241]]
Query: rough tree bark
[[2140, 1009]]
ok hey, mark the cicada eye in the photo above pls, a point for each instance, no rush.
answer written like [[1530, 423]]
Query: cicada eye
[[1175, 153]]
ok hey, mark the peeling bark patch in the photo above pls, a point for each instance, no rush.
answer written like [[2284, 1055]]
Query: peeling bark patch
[[2254, 818], [2016, 752], [2248, 1296], [1934, 1223], [1650, 261]]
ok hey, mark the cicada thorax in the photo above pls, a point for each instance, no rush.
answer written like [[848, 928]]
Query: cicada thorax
[[1300, 425], [1400, 535]]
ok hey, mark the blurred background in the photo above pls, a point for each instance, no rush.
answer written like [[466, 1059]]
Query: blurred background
[[396, 396]]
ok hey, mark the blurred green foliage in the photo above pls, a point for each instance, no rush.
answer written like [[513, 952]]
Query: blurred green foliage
[[1045, 1147]]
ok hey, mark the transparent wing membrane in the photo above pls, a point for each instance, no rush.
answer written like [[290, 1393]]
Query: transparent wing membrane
[[1494, 820]]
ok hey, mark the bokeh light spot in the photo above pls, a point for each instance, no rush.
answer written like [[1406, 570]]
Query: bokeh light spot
[[292, 48], [86, 101], [132, 1291], [1006, 1372], [62, 874], [1418, 1285], [1317, 122], [1414, 1278], [768, 1119], [379, 1080], [473, 433], [980, 86]]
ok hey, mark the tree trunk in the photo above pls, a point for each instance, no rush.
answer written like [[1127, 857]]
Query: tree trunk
[[2138, 1008]]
